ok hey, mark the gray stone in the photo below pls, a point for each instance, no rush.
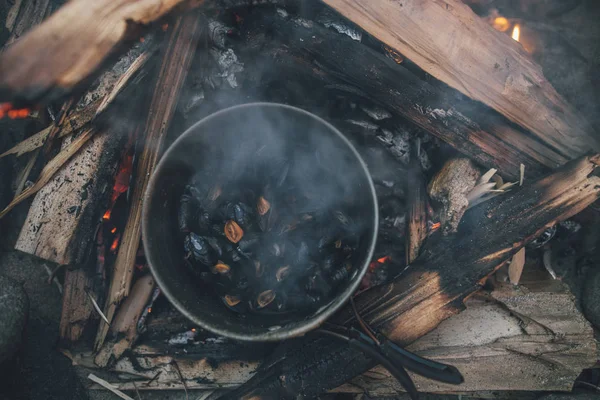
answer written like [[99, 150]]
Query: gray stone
[[591, 296], [569, 396], [14, 306]]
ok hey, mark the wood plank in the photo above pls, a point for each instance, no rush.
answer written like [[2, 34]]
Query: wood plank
[[176, 60], [449, 41]]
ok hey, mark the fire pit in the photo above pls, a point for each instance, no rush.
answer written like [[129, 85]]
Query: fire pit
[[312, 209]]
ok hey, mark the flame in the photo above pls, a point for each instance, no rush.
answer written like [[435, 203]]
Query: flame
[[149, 310], [501, 24], [193, 329], [383, 260], [516, 33], [435, 226], [106, 215], [115, 244], [113, 230]]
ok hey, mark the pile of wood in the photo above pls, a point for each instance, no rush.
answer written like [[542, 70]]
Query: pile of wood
[[489, 101]]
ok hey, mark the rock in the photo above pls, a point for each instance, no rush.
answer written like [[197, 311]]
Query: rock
[[591, 296], [450, 187], [569, 396], [14, 306]]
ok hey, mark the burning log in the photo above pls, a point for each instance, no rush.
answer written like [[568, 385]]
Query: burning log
[[327, 59], [62, 219], [434, 287], [65, 51], [449, 41], [177, 58]]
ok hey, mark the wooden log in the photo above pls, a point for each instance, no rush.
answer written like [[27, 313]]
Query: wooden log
[[449, 41], [77, 308], [176, 60], [315, 54], [65, 51], [62, 220], [434, 286]]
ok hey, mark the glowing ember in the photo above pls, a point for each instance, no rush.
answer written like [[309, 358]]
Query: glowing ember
[[383, 260], [501, 24], [516, 33], [113, 230], [115, 244], [434, 227], [165, 27], [193, 329], [106, 215], [149, 309], [6, 109]]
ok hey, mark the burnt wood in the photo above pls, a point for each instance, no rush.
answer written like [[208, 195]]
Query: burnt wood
[[434, 287], [311, 53]]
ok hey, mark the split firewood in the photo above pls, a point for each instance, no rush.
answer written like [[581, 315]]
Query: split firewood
[[23, 15], [65, 51], [416, 217], [125, 322], [334, 61], [449, 41], [176, 61], [434, 286], [450, 187]]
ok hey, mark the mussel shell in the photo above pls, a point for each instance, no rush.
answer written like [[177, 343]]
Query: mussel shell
[[199, 249]]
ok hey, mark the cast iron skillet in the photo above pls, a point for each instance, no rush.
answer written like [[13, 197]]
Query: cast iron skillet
[[235, 134]]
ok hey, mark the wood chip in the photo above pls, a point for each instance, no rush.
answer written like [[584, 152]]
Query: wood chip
[[515, 269], [97, 308], [522, 171], [485, 178], [233, 231], [108, 386]]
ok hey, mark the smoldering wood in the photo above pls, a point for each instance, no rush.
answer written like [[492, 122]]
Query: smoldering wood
[[434, 287], [449, 41], [176, 60], [62, 219], [313, 53], [64, 52]]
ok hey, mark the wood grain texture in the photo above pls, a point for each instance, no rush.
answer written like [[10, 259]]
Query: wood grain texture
[[416, 215], [77, 308], [434, 286], [68, 48], [178, 54], [449, 41]]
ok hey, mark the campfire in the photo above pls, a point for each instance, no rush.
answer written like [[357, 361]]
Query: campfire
[[485, 178]]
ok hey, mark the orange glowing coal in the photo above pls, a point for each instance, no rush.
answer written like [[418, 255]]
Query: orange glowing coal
[[516, 33], [501, 24], [384, 259], [435, 227], [106, 215], [115, 244], [6, 109]]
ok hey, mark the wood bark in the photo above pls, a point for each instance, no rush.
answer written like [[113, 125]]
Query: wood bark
[[434, 287], [334, 61], [449, 41], [65, 51], [177, 57], [23, 15], [77, 308]]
